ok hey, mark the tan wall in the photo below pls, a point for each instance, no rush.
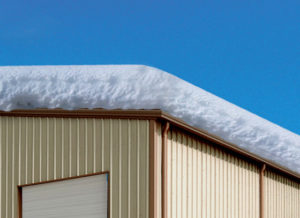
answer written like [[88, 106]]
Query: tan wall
[[282, 196], [204, 181], [40, 149], [159, 165]]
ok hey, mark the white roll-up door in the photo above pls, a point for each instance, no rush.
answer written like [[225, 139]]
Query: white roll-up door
[[84, 197]]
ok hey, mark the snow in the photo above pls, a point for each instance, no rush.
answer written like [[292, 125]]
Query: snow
[[143, 87]]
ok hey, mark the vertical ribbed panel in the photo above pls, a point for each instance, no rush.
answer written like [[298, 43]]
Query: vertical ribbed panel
[[41, 149], [204, 181], [159, 170], [282, 196]]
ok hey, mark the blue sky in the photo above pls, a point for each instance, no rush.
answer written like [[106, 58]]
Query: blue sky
[[247, 52]]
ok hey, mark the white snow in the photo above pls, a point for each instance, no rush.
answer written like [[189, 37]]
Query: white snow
[[142, 87]]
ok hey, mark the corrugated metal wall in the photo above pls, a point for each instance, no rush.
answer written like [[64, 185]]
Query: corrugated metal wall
[[204, 181], [40, 149], [282, 196], [159, 164]]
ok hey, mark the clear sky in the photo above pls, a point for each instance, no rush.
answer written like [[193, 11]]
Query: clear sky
[[247, 52]]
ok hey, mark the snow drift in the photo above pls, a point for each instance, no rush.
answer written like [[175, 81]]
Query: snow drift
[[142, 87]]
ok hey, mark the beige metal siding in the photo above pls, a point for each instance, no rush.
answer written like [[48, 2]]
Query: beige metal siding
[[159, 177], [204, 181], [282, 196], [40, 149]]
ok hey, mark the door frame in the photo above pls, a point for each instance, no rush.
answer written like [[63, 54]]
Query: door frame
[[20, 206]]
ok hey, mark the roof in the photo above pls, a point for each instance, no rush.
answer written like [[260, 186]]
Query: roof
[[143, 87]]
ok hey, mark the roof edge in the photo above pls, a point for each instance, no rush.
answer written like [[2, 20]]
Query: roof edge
[[85, 113], [147, 114]]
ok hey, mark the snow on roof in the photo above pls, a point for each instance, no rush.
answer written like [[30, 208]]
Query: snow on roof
[[143, 87]]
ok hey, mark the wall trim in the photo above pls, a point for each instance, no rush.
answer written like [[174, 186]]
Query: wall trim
[[153, 166], [262, 191]]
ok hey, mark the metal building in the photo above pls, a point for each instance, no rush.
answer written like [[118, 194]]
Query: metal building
[[133, 164]]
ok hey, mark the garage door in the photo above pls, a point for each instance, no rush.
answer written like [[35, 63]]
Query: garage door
[[84, 197]]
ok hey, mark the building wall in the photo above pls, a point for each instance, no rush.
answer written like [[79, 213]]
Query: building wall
[[159, 165], [204, 181], [41, 149], [282, 196]]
